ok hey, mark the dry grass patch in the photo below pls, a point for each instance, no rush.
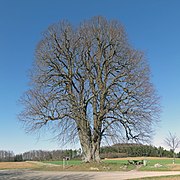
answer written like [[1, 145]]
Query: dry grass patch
[[17, 165], [174, 167]]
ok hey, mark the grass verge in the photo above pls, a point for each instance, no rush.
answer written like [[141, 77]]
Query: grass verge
[[175, 177], [120, 164], [80, 166]]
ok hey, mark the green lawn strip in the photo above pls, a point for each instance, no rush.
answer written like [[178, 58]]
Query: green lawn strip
[[105, 165], [162, 161], [164, 165], [78, 162], [173, 177], [71, 162], [119, 165], [122, 162]]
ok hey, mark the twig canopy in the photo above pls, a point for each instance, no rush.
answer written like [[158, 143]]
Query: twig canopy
[[88, 82]]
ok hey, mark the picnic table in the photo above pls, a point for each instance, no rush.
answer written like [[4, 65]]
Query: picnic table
[[135, 162]]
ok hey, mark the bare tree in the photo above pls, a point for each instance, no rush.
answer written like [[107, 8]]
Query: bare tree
[[173, 142], [89, 83], [6, 155]]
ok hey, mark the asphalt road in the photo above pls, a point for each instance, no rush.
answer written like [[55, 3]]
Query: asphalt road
[[44, 175]]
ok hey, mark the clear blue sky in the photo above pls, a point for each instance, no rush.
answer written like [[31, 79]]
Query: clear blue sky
[[152, 26]]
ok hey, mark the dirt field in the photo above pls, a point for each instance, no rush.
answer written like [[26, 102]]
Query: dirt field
[[17, 165]]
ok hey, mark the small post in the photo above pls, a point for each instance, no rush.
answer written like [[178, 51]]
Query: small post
[[64, 162], [145, 162]]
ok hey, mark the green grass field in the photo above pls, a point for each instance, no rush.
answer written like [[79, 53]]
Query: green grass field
[[78, 162], [176, 177], [166, 164], [105, 165], [122, 164], [71, 162], [162, 161]]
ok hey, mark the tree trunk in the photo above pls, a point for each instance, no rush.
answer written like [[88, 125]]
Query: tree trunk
[[96, 152], [90, 149], [173, 157]]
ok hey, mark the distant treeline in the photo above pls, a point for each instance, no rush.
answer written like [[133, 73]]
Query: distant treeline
[[6, 155], [134, 150], [115, 151], [39, 155]]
